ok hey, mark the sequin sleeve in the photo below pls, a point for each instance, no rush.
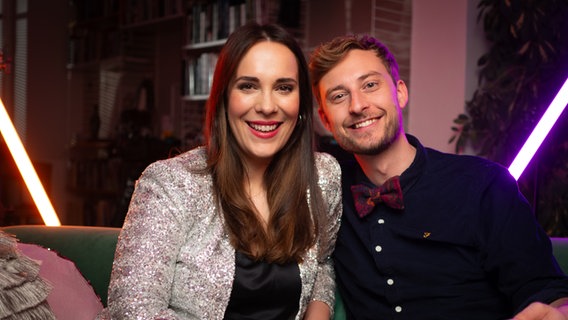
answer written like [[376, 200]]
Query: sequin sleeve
[[148, 245], [330, 183]]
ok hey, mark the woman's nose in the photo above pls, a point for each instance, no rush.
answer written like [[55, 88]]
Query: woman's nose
[[266, 103]]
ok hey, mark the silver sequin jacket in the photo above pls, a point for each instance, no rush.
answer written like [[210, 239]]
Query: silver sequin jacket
[[173, 258]]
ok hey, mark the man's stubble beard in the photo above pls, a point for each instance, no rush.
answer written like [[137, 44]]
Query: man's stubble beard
[[391, 133]]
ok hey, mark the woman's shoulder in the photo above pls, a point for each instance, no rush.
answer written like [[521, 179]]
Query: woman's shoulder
[[326, 162], [329, 171], [194, 159], [192, 162]]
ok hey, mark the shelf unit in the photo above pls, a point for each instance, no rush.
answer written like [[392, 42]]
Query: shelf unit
[[117, 46], [118, 49], [208, 24], [139, 13], [93, 176]]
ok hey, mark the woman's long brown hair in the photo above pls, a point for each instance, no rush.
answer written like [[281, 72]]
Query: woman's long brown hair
[[290, 177]]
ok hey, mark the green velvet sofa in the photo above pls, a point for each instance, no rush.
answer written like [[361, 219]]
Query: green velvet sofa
[[92, 250]]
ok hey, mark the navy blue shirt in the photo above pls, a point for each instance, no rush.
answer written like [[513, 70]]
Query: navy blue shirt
[[466, 245]]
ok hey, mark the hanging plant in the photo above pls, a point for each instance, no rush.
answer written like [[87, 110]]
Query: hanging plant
[[526, 64]]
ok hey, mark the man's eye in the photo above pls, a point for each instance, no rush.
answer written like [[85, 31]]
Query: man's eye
[[338, 97], [371, 84]]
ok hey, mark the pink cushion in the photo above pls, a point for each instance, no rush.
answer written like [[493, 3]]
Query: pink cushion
[[72, 297]]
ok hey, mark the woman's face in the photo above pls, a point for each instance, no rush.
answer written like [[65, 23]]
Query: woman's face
[[264, 101]]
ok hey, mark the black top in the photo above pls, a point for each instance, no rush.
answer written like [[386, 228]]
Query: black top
[[264, 290], [466, 245]]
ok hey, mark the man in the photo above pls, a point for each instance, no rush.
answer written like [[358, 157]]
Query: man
[[459, 243]]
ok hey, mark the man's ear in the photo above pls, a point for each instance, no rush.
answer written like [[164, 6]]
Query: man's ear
[[323, 118], [401, 94]]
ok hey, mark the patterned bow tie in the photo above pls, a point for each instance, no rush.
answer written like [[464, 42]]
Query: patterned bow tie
[[366, 197]]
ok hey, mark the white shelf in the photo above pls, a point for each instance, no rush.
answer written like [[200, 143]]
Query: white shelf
[[196, 97], [205, 45]]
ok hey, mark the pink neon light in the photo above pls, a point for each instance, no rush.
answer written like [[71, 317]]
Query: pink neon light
[[540, 132]]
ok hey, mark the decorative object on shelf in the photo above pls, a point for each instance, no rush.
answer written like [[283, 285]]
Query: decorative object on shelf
[[94, 123]]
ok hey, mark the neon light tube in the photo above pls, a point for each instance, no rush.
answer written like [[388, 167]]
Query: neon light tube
[[541, 130], [26, 169]]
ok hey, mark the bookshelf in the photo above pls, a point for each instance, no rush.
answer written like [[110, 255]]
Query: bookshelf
[[93, 177], [139, 13], [93, 32], [207, 26], [116, 48]]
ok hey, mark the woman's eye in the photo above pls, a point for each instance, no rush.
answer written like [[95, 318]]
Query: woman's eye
[[286, 88], [245, 86]]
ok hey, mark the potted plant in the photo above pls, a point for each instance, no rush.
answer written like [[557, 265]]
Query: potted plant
[[519, 75]]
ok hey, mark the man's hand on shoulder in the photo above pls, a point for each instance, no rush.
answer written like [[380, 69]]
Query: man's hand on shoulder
[[558, 310]]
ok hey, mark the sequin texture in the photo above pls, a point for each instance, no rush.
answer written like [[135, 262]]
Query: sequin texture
[[174, 259]]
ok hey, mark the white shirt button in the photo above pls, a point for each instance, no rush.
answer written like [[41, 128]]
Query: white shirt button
[[378, 248], [390, 282], [398, 309], [381, 221]]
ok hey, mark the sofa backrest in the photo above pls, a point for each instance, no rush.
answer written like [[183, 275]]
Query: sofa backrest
[[91, 248]]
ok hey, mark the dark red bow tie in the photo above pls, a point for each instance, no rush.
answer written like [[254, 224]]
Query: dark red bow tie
[[366, 197]]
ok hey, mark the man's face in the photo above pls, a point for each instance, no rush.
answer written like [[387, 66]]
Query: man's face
[[361, 105]]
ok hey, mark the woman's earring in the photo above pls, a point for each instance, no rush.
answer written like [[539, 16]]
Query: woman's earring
[[300, 119]]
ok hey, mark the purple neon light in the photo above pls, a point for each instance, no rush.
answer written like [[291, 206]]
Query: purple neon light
[[540, 132]]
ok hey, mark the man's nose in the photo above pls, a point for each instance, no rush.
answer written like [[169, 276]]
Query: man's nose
[[358, 102]]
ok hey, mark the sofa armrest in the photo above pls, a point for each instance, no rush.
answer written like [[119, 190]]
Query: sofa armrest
[[560, 250], [90, 248]]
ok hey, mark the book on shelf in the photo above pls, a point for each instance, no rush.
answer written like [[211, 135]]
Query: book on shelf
[[215, 20], [92, 46], [139, 11], [199, 74], [90, 10]]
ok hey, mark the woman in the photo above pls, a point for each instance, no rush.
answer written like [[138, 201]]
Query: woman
[[243, 227]]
